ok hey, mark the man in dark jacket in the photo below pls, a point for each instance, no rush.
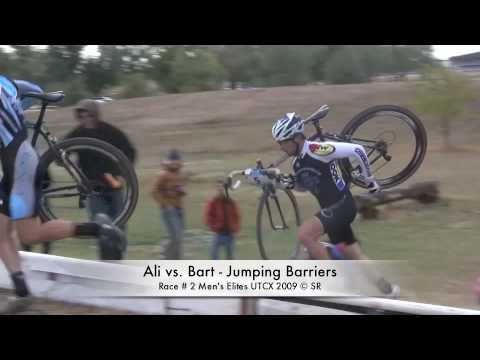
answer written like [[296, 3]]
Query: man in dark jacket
[[91, 125]]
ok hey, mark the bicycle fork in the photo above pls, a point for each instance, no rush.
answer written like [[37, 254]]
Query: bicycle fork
[[284, 225], [81, 179]]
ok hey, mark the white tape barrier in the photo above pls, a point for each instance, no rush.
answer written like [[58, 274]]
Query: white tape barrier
[[280, 307], [404, 307], [66, 279], [377, 305], [62, 279]]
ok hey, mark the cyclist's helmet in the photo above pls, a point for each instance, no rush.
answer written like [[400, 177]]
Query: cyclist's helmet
[[286, 127]]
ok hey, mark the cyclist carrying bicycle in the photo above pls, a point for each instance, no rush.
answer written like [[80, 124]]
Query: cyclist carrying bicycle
[[20, 191], [316, 170]]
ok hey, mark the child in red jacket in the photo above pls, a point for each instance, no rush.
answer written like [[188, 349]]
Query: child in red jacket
[[223, 218]]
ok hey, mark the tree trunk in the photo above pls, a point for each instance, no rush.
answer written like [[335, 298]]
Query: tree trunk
[[425, 193]]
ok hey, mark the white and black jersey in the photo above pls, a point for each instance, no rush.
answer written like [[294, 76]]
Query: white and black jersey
[[316, 169]]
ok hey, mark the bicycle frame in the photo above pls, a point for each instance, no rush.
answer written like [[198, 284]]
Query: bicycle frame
[[40, 129], [379, 146]]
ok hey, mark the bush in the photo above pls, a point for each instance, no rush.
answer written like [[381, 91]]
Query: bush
[[286, 65], [197, 70], [444, 95], [344, 67], [136, 85]]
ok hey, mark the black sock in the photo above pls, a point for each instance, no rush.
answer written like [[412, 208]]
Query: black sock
[[21, 288], [87, 229]]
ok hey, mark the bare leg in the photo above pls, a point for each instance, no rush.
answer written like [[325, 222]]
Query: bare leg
[[8, 249], [32, 230], [309, 234]]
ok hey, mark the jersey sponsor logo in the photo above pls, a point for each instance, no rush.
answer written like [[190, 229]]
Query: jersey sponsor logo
[[322, 149], [337, 178], [365, 161]]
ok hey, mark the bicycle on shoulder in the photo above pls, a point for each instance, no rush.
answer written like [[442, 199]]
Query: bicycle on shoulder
[[395, 142]]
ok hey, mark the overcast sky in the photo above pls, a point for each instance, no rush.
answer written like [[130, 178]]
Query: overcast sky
[[442, 52]]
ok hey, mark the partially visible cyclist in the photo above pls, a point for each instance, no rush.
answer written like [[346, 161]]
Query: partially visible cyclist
[[315, 169], [20, 192]]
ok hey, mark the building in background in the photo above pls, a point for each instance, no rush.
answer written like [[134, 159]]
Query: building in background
[[466, 63]]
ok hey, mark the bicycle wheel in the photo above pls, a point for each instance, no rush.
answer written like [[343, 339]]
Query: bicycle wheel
[[278, 220], [394, 139], [69, 192]]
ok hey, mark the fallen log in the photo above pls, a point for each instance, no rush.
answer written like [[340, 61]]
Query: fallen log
[[425, 193]]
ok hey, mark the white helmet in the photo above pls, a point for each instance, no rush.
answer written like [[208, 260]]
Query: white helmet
[[287, 127]]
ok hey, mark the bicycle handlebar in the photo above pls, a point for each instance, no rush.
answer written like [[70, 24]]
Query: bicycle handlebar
[[271, 173]]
